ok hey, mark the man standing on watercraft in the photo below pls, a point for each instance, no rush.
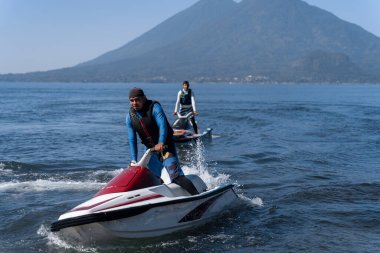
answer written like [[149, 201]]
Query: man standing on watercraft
[[186, 103], [148, 120]]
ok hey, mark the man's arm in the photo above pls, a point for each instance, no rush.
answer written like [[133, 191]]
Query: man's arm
[[159, 116], [177, 103], [132, 138], [193, 101]]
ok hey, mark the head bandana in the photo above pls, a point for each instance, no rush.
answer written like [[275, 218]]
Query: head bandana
[[136, 92]]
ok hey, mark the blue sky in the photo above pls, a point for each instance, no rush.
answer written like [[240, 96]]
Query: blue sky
[[39, 35]]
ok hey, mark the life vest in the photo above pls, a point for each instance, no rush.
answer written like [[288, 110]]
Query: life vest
[[185, 98], [147, 127]]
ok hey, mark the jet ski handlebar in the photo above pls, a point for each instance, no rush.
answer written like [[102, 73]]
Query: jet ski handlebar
[[146, 157]]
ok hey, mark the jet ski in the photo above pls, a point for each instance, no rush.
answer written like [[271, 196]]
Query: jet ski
[[182, 132], [137, 204]]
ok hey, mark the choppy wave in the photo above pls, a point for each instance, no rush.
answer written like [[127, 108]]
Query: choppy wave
[[41, 185], [57, 242], [4, 170], [19, 166], [17, 179], [256, 201]]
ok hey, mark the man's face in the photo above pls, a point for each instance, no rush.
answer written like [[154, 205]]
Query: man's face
[[137, 103], [185, 87]]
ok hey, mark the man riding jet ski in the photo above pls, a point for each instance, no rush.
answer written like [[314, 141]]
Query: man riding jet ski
[[147, 119], [186, 111], [186, 104]]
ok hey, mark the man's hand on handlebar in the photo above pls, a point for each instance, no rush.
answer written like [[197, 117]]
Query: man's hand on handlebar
[[159, 147]]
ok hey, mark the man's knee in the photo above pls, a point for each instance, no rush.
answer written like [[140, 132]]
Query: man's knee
[[172, 166]]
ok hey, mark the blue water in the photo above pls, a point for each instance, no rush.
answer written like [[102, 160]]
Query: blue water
[[305, 160]]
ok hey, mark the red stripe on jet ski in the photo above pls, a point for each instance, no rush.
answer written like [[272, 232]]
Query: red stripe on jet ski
[[153, 196], [89, 207]]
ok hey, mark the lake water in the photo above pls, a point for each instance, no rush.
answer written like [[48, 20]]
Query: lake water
[[305, 160]]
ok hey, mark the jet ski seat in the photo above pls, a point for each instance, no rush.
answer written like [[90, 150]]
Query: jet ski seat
[[133, 178]]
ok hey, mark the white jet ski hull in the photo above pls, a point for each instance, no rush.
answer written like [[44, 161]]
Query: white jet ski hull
[[180, 213]]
